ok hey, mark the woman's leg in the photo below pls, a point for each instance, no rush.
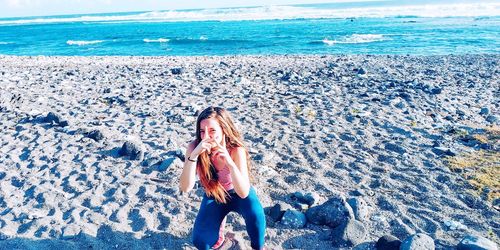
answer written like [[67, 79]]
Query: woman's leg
[[253, 213], [208, 222]]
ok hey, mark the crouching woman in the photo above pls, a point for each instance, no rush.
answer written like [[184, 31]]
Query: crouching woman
[[221, 161]]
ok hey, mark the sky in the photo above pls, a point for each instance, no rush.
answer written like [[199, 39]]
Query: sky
[[21, 8]]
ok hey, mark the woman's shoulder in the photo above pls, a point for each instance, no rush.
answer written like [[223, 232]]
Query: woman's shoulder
[[238, 150]]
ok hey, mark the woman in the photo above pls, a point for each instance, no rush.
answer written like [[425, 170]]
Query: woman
[[221, 161]]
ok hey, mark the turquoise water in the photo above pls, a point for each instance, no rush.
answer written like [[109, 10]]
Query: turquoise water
[[354, 28]]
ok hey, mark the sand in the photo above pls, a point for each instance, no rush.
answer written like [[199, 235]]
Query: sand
[[372, 127]]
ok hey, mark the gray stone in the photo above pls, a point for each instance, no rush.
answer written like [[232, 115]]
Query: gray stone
[[443, 151], [395, 148], [278, 210], [348, 234], [132, 149], [176, 71], [333, 212], [492, 119], [275, 212], [361, 71], [293, 219], [484, 111], [311, 198], [418, 241], [96, 135], [388, 242], [360, 208], [308, 198], [471, 242], [436, 91], [55, 119]]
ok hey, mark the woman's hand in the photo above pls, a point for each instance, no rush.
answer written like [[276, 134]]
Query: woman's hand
[[220, 151], [205, 145]]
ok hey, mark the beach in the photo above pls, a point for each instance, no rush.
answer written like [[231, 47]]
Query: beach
[[92, 148]]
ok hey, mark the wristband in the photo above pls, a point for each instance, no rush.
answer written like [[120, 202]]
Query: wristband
[[189, 159]]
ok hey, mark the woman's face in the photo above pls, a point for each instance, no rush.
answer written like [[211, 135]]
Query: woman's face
[[214, 130]]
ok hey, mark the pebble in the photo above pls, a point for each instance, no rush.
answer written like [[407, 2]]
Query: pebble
[[388, 242], [293, 219], [471, 242], [418, 241]]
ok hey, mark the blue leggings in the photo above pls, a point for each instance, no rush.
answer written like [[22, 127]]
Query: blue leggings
[[211, 214]]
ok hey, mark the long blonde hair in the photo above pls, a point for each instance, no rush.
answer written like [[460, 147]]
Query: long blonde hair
[[206, 171]]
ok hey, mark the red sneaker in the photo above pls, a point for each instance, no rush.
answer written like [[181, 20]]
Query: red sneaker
[[219, 242]]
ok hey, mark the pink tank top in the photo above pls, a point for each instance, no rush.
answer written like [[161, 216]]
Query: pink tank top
[[224, 176]]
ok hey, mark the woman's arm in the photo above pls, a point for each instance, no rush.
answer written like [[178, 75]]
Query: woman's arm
[[239, 171], [188, 176]]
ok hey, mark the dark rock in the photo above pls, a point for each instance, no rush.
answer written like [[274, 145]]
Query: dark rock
[[484, 111], [308, 198], [96, 135], [207, 90], [418, 241], [492, 119], [293, 219], [276, 212], [132, 149], [471, 242], [54, 119], [442, 151], [347, 137], [388, 242], [436, 91], [333, 212], [460, 112], [176, 71], [395, 148], [361, 71], [348, 234]]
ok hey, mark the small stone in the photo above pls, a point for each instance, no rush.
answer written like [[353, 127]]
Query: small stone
[[54, 119], [294, 219], [348, 234], [361, 71], [443, 151], [176, 71], [460, 112], [484, 111], [96, 135], [395, 148], [275, 212], [492, 119], [360, 208], [471, 242], [132, 149], [333, 212], [388, 242], [436, 91], [311, 198], [418, 241]]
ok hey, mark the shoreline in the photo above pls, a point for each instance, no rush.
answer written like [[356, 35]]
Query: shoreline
[[374, 127]]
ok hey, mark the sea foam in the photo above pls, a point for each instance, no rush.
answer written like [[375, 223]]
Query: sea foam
[[82, 43], [477, 9]]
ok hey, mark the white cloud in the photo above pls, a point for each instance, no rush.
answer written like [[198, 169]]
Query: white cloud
[[23, 3]]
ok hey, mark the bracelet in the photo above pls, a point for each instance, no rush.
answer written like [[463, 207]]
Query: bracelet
[[189, 159]]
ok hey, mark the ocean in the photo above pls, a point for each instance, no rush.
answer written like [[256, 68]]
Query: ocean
[[377, 27]]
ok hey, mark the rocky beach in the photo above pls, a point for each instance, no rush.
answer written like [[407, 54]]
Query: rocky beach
[[345, 149]]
